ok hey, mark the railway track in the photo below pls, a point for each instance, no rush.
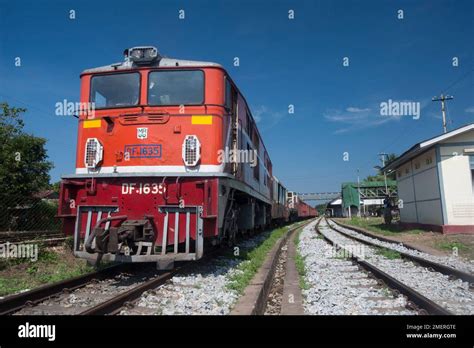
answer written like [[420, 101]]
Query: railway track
[[205, 280], [274, 289], [336, 285], [27, 237], [114, 290], [447, 265], [32, 298], [433, 289], [104, 292], [284, 296]]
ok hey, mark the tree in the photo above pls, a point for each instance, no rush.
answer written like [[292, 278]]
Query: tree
[[56, 186], [24, 168], [380, 175]]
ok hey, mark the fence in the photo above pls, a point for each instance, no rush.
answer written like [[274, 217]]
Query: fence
[[29, 214]]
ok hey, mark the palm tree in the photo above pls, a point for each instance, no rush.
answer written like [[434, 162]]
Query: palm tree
[[389, 158]]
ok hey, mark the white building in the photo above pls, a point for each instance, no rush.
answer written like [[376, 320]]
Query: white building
[[435, 180]]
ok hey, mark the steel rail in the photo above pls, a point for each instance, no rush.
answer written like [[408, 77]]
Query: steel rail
[[414, 296], [424, 262], [115, 304], [14, 303]]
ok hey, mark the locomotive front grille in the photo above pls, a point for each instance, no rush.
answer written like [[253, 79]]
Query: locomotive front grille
[[170, 248]]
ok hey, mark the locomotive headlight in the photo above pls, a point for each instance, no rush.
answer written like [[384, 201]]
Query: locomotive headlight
[[93, 153], [191, 150], [143, 55]]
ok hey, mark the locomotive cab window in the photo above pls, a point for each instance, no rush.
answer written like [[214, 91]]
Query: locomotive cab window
[[184, 87], [119, 90]]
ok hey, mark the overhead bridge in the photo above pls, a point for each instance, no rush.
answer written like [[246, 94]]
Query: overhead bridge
[[319, 196]]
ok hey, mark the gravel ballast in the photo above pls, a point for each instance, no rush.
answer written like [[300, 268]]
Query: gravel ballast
[[453, 295], [451, 261], [338, 287], [205, 289]]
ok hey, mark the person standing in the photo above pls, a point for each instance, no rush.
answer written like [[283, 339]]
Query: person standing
[[387, 210]]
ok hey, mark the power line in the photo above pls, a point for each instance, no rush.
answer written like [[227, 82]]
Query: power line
[[458, 80]]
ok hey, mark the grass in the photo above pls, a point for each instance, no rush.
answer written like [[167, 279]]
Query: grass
[[376, 225], [300, 265], [52, 265], [253, 259], [450, 245], [388, 253], [387, 292]]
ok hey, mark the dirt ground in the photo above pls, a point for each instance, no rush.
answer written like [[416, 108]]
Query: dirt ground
[[443, 243]]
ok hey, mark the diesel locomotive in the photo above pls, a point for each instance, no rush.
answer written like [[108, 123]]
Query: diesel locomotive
[[168, 160]]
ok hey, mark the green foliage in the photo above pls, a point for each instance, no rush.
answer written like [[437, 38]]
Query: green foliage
[[376, 225], [388, 253], [69, 242], [24, 167], [253, 260], [56, 186], [447, 245], [321, 208], [52, 266], [380, 176], [299, 263], [23, 156]]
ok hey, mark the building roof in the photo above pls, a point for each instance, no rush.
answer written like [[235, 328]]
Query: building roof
[[369, 184], [423, 146], [337, 201]]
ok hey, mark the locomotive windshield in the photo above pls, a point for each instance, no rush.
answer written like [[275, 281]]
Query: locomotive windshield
[[184, 87], [117, 90]]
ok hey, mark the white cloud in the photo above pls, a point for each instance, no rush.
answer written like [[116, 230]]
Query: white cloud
[[263, 113], [470, 110], [356, 109], [356, 119]]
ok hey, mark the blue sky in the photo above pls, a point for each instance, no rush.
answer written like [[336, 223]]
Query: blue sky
[[282, 62]]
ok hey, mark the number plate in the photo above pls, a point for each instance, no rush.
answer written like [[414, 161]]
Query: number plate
[[143, 151], [129, 188]]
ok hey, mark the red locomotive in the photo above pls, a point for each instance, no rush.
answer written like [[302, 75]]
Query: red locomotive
[[168, 158]]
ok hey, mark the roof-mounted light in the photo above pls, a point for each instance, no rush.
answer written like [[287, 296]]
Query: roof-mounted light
[[142, 55]]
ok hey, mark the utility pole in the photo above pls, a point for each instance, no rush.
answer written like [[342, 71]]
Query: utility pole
[[358, 190], [382, 156], [442, 99]]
